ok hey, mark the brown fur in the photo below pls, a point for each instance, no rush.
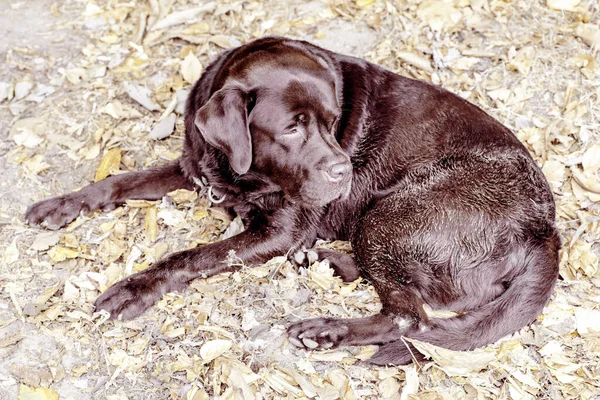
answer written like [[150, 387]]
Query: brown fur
[[442, 203]]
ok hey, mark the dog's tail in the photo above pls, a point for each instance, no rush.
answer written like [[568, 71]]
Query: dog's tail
[[517, 307]]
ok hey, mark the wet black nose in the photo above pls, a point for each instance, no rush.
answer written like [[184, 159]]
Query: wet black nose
[[338, 171]]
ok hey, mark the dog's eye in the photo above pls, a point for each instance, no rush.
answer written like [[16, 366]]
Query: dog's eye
[[294, 128], [291, 130]]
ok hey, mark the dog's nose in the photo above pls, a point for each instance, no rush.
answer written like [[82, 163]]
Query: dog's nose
[[337, 171]]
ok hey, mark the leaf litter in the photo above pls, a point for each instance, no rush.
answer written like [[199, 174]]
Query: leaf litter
[[72, 120]]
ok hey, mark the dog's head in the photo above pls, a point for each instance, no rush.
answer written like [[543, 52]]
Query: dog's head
[[276, 115]]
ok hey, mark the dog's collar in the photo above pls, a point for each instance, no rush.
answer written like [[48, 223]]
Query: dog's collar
[[203, 186]]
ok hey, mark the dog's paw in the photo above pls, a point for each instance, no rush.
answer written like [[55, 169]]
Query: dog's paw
[[343, 264], [304, 258], [57, 212], [318, 333], [132, 296]]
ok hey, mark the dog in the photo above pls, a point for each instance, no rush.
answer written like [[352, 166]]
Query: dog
[[442, 204]]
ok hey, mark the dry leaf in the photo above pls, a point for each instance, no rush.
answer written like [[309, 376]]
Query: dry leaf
[[389, 387], [191, 68], [411, 382], [322, 274], [523, 60], [11, 253], [76, 75], [224, 42], [563, 5], [6, 91], [70, 292], [591, 159], [27, 393], [22, 89], [150, 223], [214, 348], [180, 17], [328, 355], [163, 128], [27, 138], [92, 152], [456, 363], [554, 170], [364, 3], [416, 60], [141, 94], [36, 164], [110, 164], [59, 253], [439, 15], [588, 322], [44, 240], [470, 47], [590, 34]]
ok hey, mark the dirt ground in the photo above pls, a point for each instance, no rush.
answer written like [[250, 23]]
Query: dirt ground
[[64, 108]]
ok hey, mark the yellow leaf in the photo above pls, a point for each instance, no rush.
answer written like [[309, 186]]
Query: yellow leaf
[[150, 224], [364, 3], [180, 196], [69, 240], [109, 164], [59, 253], [197, 29], [140, 203], [27, 393], [191, 68], [36, 164], [110, 39], [199, 214]]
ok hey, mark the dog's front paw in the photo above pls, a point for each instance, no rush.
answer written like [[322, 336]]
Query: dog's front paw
[[132, 296], [57, 212], [318, 333]]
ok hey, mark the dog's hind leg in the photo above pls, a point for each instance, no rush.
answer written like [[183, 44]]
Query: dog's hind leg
[[151, 184], [325, 333]]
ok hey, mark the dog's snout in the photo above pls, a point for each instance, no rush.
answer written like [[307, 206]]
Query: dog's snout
[[337, 171]]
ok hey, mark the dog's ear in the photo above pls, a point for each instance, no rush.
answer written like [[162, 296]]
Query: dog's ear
[[223, 122]]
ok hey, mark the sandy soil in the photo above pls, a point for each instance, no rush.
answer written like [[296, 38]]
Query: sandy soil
[[532, 66]]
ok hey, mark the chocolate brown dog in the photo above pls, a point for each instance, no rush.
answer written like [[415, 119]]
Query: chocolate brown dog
[[442, 203]]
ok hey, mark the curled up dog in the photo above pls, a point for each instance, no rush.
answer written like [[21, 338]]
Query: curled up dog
[[442, 204]]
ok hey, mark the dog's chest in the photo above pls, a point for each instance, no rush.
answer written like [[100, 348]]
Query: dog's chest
[[339, 220]]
